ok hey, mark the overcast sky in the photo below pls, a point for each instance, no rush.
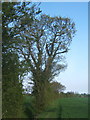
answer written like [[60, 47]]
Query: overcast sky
[[75, 78]]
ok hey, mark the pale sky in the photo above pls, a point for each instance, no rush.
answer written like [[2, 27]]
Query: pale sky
[[75, 77]]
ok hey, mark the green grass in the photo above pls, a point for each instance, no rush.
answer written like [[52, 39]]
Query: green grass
[[71, 107], [67, 108]]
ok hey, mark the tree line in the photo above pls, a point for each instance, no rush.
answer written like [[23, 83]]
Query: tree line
[[33, 43]]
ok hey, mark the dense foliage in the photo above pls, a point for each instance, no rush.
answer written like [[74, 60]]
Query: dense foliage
[[32, 43], [11, 83]]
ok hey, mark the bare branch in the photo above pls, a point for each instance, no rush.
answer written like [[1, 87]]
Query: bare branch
[[56, 50], [62, 51]]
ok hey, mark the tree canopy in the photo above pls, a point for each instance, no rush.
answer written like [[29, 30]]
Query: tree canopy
[[43, 41]]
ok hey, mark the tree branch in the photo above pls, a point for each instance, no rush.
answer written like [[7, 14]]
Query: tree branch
[[62, 51], [56, 49]]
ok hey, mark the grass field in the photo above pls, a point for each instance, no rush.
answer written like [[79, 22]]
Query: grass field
[[76, 107]]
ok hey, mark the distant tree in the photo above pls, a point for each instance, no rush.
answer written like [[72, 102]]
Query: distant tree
[[70, 94], [57, 87]]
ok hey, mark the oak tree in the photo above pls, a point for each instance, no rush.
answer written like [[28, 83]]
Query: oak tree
[[41, 43]]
